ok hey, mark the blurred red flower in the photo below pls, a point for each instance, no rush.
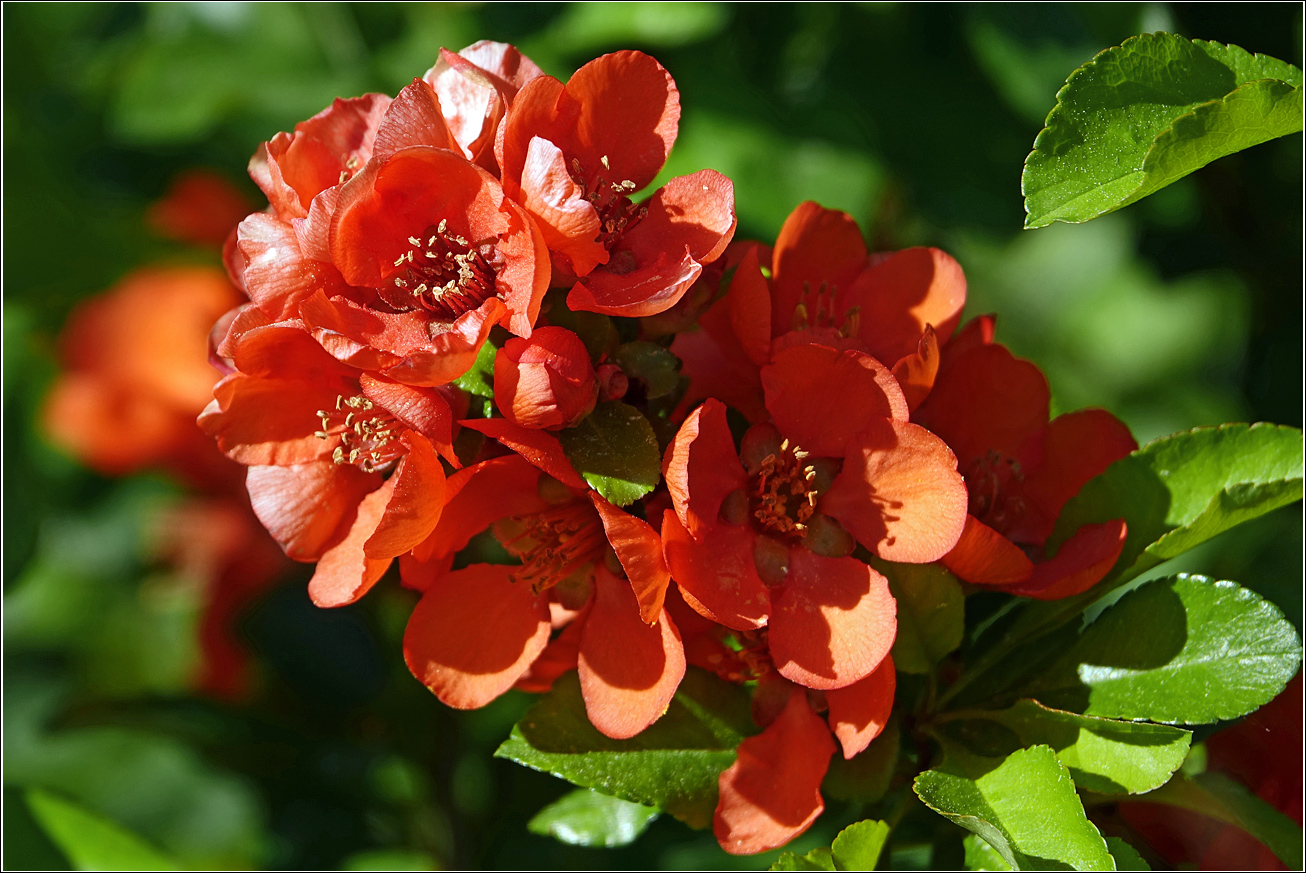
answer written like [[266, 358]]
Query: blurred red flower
[[200, 208]]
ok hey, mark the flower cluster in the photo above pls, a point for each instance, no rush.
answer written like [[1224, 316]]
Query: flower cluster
[[821, 415]]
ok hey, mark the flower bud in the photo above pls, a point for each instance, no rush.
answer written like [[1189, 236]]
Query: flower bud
[[546, 381]]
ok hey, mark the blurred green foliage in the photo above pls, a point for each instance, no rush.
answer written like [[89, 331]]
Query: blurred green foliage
[[1183, 310]]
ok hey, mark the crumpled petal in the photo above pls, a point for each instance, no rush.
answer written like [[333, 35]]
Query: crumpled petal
[[701, 467], [639, 550], [415, 502]]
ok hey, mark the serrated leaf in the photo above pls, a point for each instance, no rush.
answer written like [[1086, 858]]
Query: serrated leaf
[[1126, 856], [479, 379], [1184, 650], [1174, 493], [1103, 755], [817, 859], [651, 363], [1221, 798], [587, 818], [931, 614], [616, 451], [91, 841], [858, 846], [1150, 111], [673, 765], [1025, 808]]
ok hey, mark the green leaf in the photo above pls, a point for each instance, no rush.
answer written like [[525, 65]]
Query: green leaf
[[866, 777], [817, 859], [1184, 649], [1127, 857], [1026, 808], [1139, 116], [1174, 493], [91, 841], [931, 614], [1221, 798], [651, 363], [1106, 756], [390, 859], [479, 380], [858, 846], [673, 765], [587, 818], [616, 451], [981, 856]]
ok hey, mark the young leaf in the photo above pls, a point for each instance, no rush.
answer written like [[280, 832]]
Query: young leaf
[[931, 614], [587, 818], [91, 841], [1139, 116], [858, 846], [1221, 798], [817, 859], [1127, 857], [616, 451], [1025, 808], [1183, 650], [655, 365], [1106, 756], [673, 765], [479, 379]]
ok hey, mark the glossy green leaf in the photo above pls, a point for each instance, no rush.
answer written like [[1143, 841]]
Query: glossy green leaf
[[587, 818], [1025, 807], [1139, 116], [1184, 650], [866, 777], [1106, 756], [652, 364], [1174, 493], [817, 859], [1221, 798], [91, 841], [672, 765], [931, 614], [479, 380], [616, 451], [858, 846], [1127, 857]]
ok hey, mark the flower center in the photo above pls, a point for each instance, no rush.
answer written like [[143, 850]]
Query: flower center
[[783, 491], [994, 483], [818, 311], [366, 434], [609, 199], [554, 544], [446, 275]]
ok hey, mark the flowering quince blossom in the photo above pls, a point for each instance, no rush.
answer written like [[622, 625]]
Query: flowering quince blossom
[[573, 154], [343, 465], [898, 307], [478, 631], [992, 409], [546, 381]]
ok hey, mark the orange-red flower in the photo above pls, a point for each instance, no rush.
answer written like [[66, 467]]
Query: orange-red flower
[[200, 207], [573, 154], [343, 465], [137, 374], [761, 536], [479, 630], [992, 410], [899, 307], [546, 381]]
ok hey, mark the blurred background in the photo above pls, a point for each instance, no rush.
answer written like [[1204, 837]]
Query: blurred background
[[254, 730]]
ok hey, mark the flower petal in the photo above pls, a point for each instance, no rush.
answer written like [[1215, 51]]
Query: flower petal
[[772, 793], [982, 556], [899, 493], [473, 634], [820, 398], [629, 671], [344, 573], [903, 293], [832, 621], [639, 549], [559, 656], [303, 506], [415, 503], [749, 302], [717, 574], [567, 219], [916, 372], [701, 467], [816, 247], [858, 712], [413, 118], [540, 448], [423, 409], [1079, 564]]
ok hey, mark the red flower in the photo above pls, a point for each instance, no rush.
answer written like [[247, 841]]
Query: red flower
[[479, 630], [546, 381], [992, 410], [899, 307], [201, 208], [573, 154], [762, 535], [137, 374], [343, 465]]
